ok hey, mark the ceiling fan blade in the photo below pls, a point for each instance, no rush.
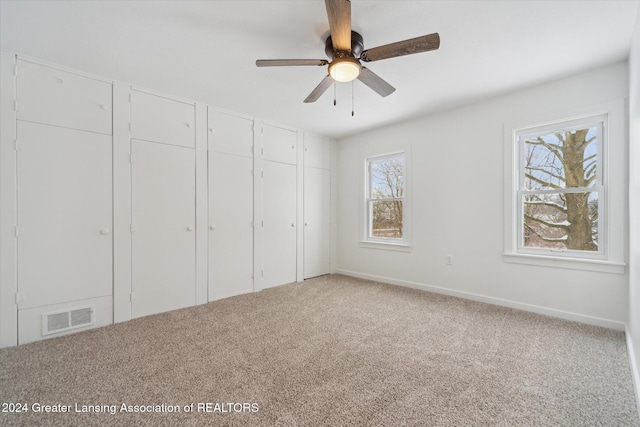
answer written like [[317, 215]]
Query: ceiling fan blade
[[289, 62], [319, 90], [339, 14], [406, 47], [375, 82]]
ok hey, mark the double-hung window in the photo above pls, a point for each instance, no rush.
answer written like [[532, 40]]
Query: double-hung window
[[561, 189], [385, 199], [566, 190]]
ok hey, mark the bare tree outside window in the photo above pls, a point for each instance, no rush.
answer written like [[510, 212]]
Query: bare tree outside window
[[385, 197], [559, 189]]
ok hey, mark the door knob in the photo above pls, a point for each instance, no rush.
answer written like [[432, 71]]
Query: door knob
[[104, 231], [190, 228]]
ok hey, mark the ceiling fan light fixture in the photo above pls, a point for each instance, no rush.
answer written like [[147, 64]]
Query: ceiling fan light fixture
[[345, 69]]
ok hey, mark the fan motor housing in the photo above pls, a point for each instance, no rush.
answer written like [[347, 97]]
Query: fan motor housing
[[357, 46]]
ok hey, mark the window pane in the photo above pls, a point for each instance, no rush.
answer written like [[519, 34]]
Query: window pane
[[386, 219], [561, 159], [387, 178], [561, 221]]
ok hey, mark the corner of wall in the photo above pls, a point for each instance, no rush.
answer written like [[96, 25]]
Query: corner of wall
[[633, 325], [8, 274]]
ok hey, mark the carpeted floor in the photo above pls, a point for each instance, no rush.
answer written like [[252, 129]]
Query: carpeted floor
[[330, 351]]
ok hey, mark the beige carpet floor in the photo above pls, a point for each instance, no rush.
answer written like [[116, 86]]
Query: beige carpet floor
[[332, 351]]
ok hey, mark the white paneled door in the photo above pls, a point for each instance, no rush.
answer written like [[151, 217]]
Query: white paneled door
[[230, 225], [64, 215], [280, 145], [159, 119], [163, 227], [279, 229], [317, 221], [50, 96]]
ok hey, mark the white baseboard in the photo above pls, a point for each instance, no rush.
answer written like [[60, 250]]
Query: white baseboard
[[634, 368], [567, 315]]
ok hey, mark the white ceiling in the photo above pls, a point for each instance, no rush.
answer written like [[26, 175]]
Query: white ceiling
[[206, 50]]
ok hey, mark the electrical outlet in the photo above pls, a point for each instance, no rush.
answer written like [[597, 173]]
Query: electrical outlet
[[449, 260]]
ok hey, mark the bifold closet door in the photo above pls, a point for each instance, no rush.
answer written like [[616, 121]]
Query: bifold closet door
[[230, 225], [163, 227], [317, 222], [279, 229], [64, 215]]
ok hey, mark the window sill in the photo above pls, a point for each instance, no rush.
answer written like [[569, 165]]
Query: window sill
[[570, 263], [388, 246]]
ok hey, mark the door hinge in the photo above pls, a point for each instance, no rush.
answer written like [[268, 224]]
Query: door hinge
[[262, 174], [18, 297], [17, 231], [131, 158], [130, 127], [15, 144], [261, 129], [132, 297], [262, 273], [131, 228], [263, 224], [252, 276], [15, 69], [15, 105]]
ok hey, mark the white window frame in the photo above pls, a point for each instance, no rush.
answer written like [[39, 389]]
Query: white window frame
[[611, 188], [400, 244], [600, 187]]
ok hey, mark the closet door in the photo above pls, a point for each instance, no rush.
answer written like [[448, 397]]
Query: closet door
[[231, 228], [317, 205], [163, 227], [64, 215], [230, 225], [317, 221], [51, 96], [279, 229], [159, 119]]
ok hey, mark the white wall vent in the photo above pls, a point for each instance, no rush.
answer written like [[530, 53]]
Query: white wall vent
[[61, 321]]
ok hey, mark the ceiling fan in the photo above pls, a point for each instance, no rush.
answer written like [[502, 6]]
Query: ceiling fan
[[346, 50]]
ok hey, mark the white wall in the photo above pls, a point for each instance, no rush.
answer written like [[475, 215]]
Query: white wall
[[633, 335], [457, 176]]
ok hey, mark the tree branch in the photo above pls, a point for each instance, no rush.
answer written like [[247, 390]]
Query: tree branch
[[555, 149], [545, 171], [550, 204], [548, 224], [546, 239], [539, 181]]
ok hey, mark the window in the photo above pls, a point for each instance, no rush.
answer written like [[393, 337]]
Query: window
[[566, 190], [385, 199], [561, 189]]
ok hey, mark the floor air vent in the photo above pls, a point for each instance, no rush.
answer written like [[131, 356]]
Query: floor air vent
[[61, 321]]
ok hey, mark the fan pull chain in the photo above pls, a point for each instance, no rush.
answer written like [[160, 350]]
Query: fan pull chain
[[353, 98], [334, 93]]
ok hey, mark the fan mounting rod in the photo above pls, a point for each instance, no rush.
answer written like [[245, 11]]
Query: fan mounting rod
[[357, 46]]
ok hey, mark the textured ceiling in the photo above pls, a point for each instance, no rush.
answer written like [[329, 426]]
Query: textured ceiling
[[206, 50]]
